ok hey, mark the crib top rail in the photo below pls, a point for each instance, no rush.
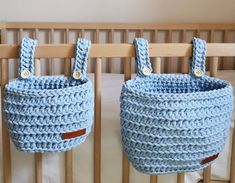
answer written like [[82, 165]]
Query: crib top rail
[[118, 26], [119, 50]]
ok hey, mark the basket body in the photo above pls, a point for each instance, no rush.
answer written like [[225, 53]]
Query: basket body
[[174, 123], [49, 113]]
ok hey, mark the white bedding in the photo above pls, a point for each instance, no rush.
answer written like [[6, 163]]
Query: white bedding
[[53, 164]]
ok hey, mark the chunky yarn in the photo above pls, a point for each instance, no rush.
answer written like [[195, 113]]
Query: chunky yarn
[[49, 113], [174, 122]]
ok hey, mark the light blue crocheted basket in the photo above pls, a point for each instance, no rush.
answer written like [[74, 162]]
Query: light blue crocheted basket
[[49, 113], [174, 122]]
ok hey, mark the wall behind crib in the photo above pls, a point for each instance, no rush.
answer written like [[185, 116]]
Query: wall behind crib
[[118, 10]]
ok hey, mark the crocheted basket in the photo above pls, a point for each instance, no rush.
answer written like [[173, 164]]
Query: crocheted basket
[[174, 122], [49, 113]]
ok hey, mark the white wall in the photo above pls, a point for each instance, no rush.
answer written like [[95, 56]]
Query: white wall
[[118, 10]]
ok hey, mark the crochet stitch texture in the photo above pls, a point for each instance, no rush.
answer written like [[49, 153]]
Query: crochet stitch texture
[[171, 122], [40, 109]]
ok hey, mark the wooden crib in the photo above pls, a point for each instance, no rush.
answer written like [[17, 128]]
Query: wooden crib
[[169, 50]]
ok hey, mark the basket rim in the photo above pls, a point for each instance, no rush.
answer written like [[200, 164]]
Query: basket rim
[[128, 87], [11, 87]]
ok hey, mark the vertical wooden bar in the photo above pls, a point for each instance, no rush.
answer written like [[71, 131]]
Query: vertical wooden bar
[[156, 62], [214, 66], [213, 71], [167, 65], [97, 124], [109, 60], [67, 61], [125, 40], [69, 166], [6, 148], [5, 136], [38, 167], [51, 64], [211, 40], [68, 154], [207, 174], [125, 162], [180, 177], [198, 33], [157, 65], [225, 40], [37, 156], [81, 33], [97, 39], [232, 168], [185, 63]]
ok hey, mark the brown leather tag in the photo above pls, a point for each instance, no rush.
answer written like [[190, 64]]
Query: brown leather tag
[[209, 159], [74, 134]]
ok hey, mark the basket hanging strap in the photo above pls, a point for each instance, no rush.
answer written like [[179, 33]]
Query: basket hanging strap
[[142, 57], [81, 57], [26, 65], [198, 59]]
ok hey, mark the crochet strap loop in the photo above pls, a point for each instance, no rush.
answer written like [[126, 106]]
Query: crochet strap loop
[[81, 58], [198, 60], [26, 65], [142, 57]]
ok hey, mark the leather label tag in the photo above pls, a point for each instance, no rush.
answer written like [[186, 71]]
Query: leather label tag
[[209, 159], [74, 134]]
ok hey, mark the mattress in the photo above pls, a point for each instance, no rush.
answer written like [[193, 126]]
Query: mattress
[[54, 164]]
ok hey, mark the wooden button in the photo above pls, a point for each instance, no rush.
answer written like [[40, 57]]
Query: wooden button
[[146, 71], [77, 75], [198, 72], [25, 74]]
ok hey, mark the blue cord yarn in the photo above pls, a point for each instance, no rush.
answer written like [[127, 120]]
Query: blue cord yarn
[[27, 55], [40, 109], [171, 122]]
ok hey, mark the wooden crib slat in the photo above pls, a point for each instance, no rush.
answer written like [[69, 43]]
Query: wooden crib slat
[[156, 69], [225, 40], [185, 69], [198, 33], [97, 123], [67, 61], [50, 65], [207, 174], [232, 168], [125, 40], [6, 148], [37, 156], [153, 179], [96, 40], [125, 161], [180, 177], [109, 60], [214, 66], [167, 65], [21, 34], [156, 61], [68, 154], [185, 62], [69, 166], [213, 71], [38, 167]]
